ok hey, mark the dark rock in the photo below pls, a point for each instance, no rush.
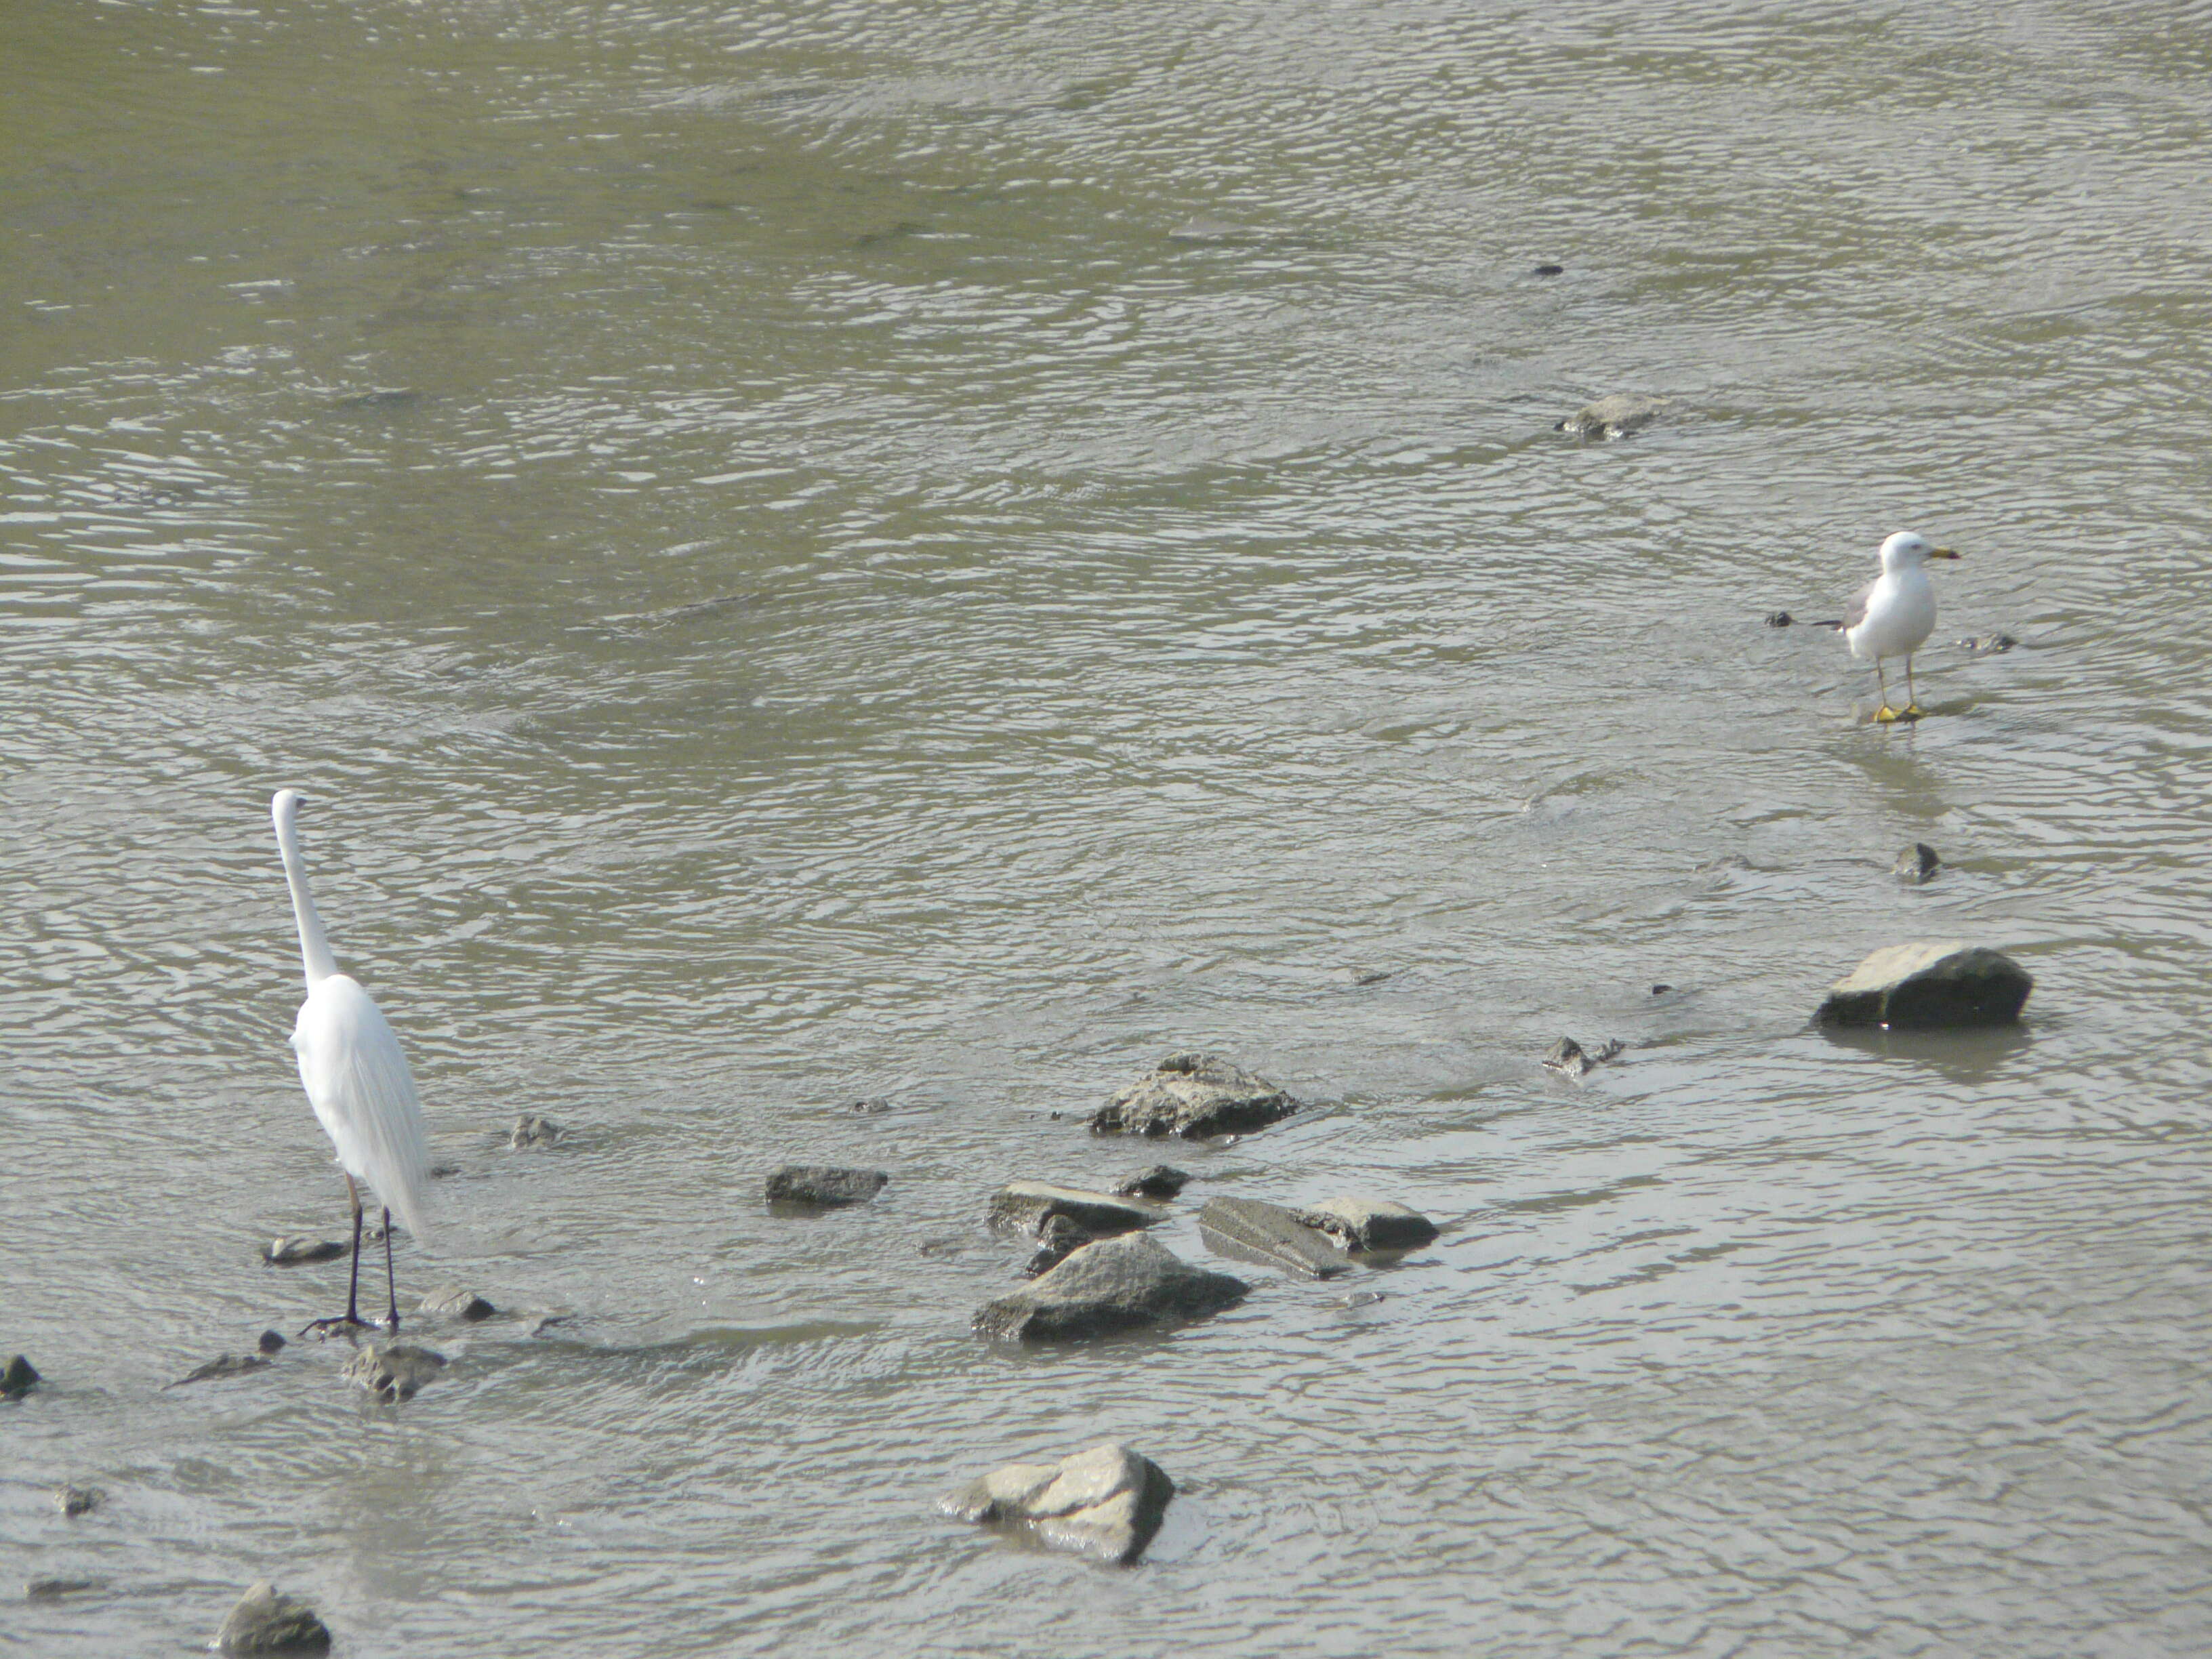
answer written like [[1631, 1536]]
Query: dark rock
[[52, 1589], [291, 1252], [1105, 1503], [533, 1132], [871, 1105], [396, 1372], [265, 1621], [271, 1342], [1917, 864], [1779, 619], [73, 1501], [1929, 984], [1570, 1059], [1057, 1240], [1268, 1233], [1614, 417], [1661, 990], [223, 1364], [823, 1187], [1194, 1096], [1160, 1181], [1988, 645], [1116, 1285], [1360, 1223], [1549, 269], [1027, 1205], [19, 1376], [455, 1302]]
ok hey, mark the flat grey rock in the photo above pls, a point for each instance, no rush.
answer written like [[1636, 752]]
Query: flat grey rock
[[18, 1376], [1929, 985], [265, 1620], [1104, 1503], [1268, 1233], [73, 1500], [291, 1252], [455, 1302], [1116, 1285], [529, 1131], [823, 1186], [1615, 415], [1363, 1223], [1026, 1206], [1917, 864], [223, 1364], [1194, 1096], [396, 1371], [1161, 1181], [1570, 1059]]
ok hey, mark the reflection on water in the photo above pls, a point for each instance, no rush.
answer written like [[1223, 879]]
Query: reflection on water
[[815, 554]]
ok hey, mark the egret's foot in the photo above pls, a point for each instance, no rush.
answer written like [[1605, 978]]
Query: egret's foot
[[1885, 715], [323, 1329]]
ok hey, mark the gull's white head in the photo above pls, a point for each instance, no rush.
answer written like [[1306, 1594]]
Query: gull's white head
[[284, 806], [1906, 550]]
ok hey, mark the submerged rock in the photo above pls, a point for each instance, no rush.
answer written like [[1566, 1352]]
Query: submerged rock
[[1160, 1181], [73, 1501], [291, 1252], [1615, 415], [271, 1342], [1987, 645], [223, 1364], [455, 1302], [825, 1186], [1027, 1205], [1363, 1223], [52, 1589], [1194, 1096], [267, 1622], [1929, 984], [1779, 619], [530, 1131], [1917, 864], [396, 1371], [1105, 1503], [1268, 1233], [1116, 1285], [1057, 1240], [1570, 1059], [20, 1376]]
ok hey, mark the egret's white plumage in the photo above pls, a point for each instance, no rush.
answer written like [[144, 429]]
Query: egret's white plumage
[[1894, 614], [350, 1062]]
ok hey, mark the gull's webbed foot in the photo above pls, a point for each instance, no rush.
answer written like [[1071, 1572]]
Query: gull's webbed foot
[[1885, 715], [1911, 711]]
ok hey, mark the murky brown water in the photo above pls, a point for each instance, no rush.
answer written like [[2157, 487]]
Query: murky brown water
[[944, 552]]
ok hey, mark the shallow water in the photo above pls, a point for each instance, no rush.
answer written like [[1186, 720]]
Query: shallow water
[[944, 553]]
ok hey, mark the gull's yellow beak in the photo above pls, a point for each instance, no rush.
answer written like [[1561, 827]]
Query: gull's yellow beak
[[1942, 553]]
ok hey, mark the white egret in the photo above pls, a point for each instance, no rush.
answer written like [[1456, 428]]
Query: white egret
[[1894, 614], [356, 1079]]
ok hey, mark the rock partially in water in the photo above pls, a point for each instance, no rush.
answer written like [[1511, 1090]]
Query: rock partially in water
[[1570, 1059], [53, 1589], [1116, 1285], [455, 1302], [19, 1376], [292, 1252], [1928, 985], [529, 1131], [1987, 645], [1161, 1181], [73, 1501], [271, 1342], [1105, 1504], [1779, 619], [223, 1364], [1194, 1096], [1026, 1206], [1368, 1224], [1615, 415], [1550, 269], [380, 397], [1057, 1240], [396, 1371], [1916, 865], [267, 1622], [870, 1106], [825, 1186], [1268, 1233]]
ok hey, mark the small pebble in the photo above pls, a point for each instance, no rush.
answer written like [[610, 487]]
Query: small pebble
[[74, 1501], [1661, 990], [533, 1132], [1779, 619], [1916, 865], [1550, 271], [291, 1252], [871, 1105]]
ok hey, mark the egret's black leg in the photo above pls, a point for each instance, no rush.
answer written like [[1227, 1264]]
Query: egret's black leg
[[351, 1317], [391, 1283]]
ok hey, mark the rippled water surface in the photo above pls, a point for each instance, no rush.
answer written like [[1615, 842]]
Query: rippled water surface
[[944, 552]]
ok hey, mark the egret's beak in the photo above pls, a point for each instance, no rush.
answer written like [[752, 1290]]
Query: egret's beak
[[1942, 553]]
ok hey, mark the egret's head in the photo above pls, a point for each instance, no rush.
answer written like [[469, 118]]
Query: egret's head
[[1904, 550]]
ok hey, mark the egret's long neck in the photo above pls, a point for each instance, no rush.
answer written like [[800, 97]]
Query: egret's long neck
[[314, 950]]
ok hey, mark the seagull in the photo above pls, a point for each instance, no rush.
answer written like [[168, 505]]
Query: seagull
[[356, 1079], [1894, 614]]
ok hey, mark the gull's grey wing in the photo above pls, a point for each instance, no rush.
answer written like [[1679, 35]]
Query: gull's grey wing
[[1855, 608]]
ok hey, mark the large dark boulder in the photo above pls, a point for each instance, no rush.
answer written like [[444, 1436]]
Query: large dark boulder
[[1928, 985], [1105, 1503], [1194, 1096], [1116, 1285]]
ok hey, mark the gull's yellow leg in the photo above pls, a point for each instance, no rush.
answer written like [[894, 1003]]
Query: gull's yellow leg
[[1884, 715], [1912, 707]]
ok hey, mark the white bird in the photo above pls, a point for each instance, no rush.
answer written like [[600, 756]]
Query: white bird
[[1894, 614], [356, 1079]]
